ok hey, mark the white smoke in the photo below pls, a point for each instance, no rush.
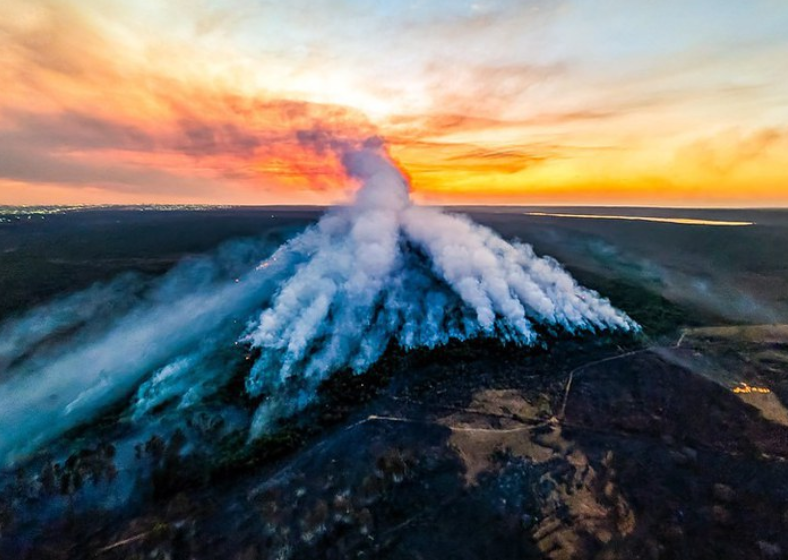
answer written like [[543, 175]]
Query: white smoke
[[65, 383], [385, 270], [73, 312], [379, 271]]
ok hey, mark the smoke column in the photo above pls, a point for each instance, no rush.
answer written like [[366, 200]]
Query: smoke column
[[384, 269], [378, 271]]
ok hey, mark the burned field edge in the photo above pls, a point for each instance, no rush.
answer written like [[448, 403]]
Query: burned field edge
[[169, 473], [199, 489]]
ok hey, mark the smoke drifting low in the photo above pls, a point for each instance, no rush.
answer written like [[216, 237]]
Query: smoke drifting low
[[376, 272]]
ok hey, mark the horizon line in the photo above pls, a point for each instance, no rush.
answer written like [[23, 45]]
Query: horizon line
[[452, 205]]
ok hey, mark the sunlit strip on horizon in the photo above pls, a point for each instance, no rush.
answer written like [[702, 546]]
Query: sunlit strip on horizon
[[682, 221]]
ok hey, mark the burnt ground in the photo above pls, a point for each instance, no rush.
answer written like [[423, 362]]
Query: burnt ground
[[585, 452], [669, 447]]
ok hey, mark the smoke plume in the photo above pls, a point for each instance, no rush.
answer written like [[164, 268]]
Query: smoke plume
[[386, 270], [378, 271]]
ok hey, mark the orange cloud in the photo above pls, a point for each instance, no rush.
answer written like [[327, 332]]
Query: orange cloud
[[73, 114], [97, 108]]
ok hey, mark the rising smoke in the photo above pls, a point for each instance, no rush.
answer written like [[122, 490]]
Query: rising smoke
[[378, 271]]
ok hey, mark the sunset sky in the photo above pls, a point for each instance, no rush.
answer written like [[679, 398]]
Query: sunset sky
[[604, 102]]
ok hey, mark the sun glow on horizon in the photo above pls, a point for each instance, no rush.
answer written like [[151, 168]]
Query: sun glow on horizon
[[680, 221], [237, 103]]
